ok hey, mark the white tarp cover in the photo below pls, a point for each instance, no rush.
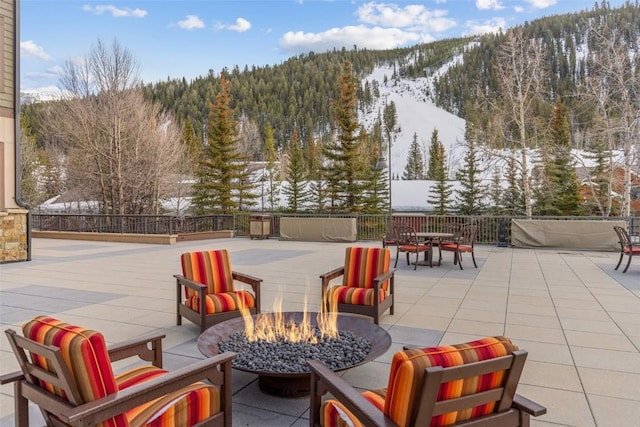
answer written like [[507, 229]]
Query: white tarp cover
[[318, 229], [571, 234]]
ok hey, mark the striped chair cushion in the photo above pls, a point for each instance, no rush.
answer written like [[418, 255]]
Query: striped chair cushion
[[211, 268], [362, 265], [184, 407], [405, 379], [219, 303], [85, 354], [358, 296], [408, 368]]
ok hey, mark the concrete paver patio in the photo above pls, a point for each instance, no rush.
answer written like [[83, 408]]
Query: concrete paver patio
[[577, 317]]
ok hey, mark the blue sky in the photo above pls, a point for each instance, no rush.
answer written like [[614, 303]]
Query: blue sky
[[182, 38]]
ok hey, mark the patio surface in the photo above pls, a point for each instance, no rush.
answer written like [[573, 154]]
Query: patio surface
[[577, 317]]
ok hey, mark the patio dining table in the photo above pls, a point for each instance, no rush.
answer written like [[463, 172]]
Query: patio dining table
[[433, 237]]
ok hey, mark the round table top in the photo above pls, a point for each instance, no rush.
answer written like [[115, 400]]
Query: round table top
[[433, 234]]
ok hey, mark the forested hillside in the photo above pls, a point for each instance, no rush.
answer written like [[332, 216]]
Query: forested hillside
[[298, 92]]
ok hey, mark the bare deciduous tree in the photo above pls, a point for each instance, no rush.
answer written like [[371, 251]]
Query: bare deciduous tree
[[521, 72], [613, 88], [120, 148]]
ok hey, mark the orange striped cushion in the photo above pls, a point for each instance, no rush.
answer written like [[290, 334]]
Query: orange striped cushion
[[211, 268], [407, 372], [405, 380], [359, 296], [335, 414], [227, 301], [362, 265], [184, 407], [85, 354]]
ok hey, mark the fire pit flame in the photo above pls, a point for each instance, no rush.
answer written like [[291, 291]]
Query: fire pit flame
[[272, 327]]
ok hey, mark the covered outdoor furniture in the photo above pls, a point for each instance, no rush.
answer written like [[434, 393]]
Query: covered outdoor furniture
[[67, 371], [463, 242], [451, 385], [408, 242], [626, 247], [209, 294], [367, 283]]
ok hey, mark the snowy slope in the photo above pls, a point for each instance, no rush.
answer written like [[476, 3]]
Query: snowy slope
[[416, 115]]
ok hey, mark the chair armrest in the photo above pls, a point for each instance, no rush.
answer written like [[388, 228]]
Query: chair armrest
[[99, 410], [139, 347], [384, 277], [245, 278], [528, 406], [335, 273], [11, 377], [189, 283], [342, 391]]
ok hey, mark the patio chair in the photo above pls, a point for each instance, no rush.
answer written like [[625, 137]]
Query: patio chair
[[463, 242], [408, 242], [367, 283], [67, 372], [626, 247], [389, 238], [209, 295], [452, 385]]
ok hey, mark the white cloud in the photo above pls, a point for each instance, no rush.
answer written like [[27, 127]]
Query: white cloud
[[416, 17], [50, 73], [241, 25], [489, 26], [489, 4], [115, 11], [29, 48], [518, 9], [191, 22], [541, 4], [361, 36]]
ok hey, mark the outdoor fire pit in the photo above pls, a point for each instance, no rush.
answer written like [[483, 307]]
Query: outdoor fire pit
[[295, 384]]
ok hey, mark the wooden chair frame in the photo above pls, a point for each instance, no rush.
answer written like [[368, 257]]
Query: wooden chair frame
[[201, 318], [626, 247], [511, 409], [216, 370], [375, 310]]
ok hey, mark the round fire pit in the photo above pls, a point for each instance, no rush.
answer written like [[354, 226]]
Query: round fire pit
[[295, 384]]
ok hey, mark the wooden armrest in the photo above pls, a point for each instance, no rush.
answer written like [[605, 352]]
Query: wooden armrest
[[342, 391], [139, 347], [189, 283], [385, 276], [336, 272], [11, 377], [528, 406], [109, 406], [245, 278]]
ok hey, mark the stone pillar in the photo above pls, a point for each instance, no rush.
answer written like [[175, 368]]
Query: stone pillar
[[13, 235]]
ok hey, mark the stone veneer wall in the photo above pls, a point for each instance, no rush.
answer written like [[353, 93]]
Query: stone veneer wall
[[13, 235]]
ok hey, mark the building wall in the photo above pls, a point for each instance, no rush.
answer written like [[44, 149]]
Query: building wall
[[14, 235]]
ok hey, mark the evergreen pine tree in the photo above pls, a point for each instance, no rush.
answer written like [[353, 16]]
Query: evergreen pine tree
[[513, 199], [435, 159], [600, 180], [346, 168], [472, 192], [441, 191], [272, 171], [414, 169], [564, 179], [223, 184], [495, 193], [296, 189]]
